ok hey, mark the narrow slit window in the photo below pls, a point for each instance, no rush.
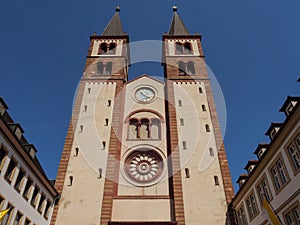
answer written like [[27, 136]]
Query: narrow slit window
[[89, 90], [100, 172], [76, 152], [71, 179], [200, 90], [103, 145], [211, 151], [184, 145], [203, 108], [106, 122], [207, 128], [180, 103], [182, 122], [108, 103], [187, 173], [84, 108], [216, 179], [81, 128]]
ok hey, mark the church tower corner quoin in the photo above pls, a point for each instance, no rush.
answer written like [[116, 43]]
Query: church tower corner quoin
[[144, 151]]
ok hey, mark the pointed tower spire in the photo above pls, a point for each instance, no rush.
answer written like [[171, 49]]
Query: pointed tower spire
[[177, 27], [114, 27]]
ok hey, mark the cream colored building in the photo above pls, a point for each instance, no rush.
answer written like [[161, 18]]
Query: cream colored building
[[24, 186], [144, 151], [275, 175]]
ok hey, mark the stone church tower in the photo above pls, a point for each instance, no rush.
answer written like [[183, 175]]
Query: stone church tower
[[144, 152]]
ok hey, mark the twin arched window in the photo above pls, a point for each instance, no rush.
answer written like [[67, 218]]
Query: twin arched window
[[186, 68], [144, 129], [104, 69], [106, 48], [183, 48]]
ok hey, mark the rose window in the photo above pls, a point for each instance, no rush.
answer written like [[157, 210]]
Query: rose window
[[144, 166]]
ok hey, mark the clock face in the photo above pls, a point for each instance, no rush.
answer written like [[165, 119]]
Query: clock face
[[144, 94]]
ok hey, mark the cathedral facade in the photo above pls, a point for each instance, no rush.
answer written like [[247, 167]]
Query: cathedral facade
[[144, 151]]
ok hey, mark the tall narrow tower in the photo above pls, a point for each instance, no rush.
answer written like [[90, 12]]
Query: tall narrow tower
[[143, 152]]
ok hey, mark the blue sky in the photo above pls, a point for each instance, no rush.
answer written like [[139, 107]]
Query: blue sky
[[251, 46]]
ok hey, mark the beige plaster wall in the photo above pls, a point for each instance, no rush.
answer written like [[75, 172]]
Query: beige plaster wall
[[203, 200], [84, 196]]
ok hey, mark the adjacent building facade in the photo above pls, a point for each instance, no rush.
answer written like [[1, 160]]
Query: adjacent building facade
[[275, 175], [144, 152], [24, 186]]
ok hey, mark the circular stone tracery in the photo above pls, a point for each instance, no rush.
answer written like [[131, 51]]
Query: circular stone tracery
[[143, 166]]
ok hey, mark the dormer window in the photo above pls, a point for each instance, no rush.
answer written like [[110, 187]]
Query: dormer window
[[289, 105], [273, 130], [242, 179], [261, 148], [250, 166]]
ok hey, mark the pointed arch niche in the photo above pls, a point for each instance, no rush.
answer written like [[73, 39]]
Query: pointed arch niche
[[144, 125]]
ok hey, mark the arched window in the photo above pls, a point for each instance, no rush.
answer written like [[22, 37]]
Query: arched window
[[144, 129], [181, 68], [187, 48], [133, 129], [203, 108], [100, 68], [112, 48], [190, 68], [107, 68], [178, 48], [211, 151], [155, 129], [207, 128], [216, 180], [187, 173], [103, 49]]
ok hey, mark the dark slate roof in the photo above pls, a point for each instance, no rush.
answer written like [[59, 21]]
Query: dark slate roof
[[114, 27], [177, 27]]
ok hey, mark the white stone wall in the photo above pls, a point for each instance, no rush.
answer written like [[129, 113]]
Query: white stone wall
[[203, 200], [86, 192]]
